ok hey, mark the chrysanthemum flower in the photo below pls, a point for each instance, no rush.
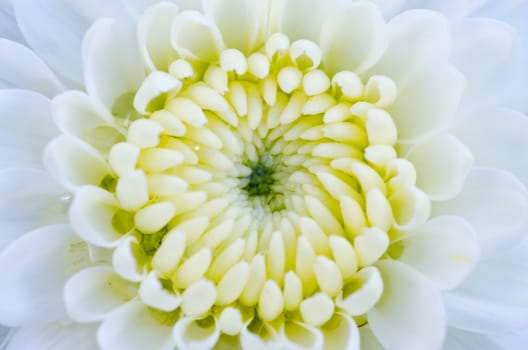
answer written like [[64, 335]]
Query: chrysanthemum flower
[[261, 174]]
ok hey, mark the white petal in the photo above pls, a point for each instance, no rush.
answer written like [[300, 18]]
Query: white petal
[[105, 44], [153, 294], [198, 298], [369, 340], [483, 50], [495, 203], [128, 259], [462, 340], [75, 115], [21, 68], [353, 39], [74, 163], [250, 18], [497, 138], [192, 334], [91, 294], [8, 26], [341, 332], [410, 314], [155, 86], [56, 336], [260, 336], [442, 164], [317, 309], [33, 277], [194, 36], [41, 24], [445, 249], [299, 336], [411, 208], [426, 101], [493, 298], [25, 128], [416, 38], [135, 327], [30, 199], [154, 28], [362, 293], [301, 19], [91, 214]]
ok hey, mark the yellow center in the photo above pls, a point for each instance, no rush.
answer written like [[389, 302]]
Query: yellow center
[[261, 183]]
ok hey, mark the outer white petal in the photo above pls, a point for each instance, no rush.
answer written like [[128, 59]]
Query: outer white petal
[[74, 163], [445, 249], [416, 39], [493, 298], [106, 43], [484, 51], [515, 340], [136, 8], [301, 19], [8, 26], [91, 294], [410, 314], [196, 37], [497, 138], [43, 23], [353, 39], [154, 29], [30, 199], [495, 203], [241, 22], [134, 327], [25, 128], [21, 68], [34, 272], [189, 334], [56, 336], [457, 339], [442, 164], [427, 101]]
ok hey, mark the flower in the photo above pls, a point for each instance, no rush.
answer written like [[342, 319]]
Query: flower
[[261, 174]]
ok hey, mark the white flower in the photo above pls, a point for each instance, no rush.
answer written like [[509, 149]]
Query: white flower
[[262, 174]]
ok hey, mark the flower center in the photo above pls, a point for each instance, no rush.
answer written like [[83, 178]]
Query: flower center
[[258, 183]]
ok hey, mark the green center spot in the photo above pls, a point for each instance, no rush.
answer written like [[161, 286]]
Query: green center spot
[[260, 181]]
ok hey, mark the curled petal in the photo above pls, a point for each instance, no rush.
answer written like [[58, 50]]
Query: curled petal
[[93, 216], [74, 163], [192, 334], [341, 332]]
